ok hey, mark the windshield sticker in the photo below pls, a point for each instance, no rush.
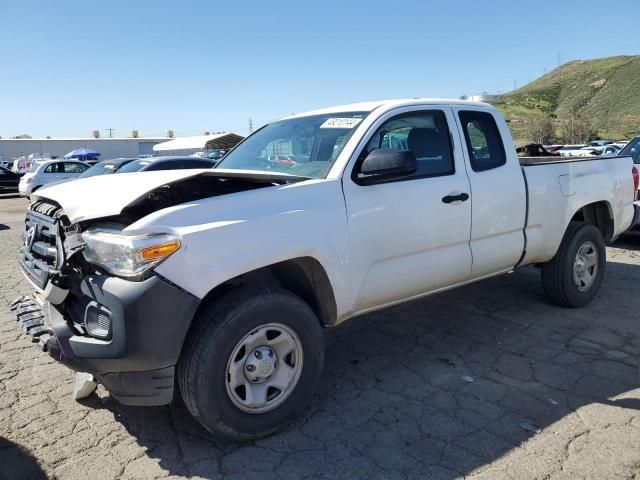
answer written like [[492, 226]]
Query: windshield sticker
[[341, 122]]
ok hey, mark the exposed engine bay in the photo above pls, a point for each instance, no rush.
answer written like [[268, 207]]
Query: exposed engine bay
[[191, 189]]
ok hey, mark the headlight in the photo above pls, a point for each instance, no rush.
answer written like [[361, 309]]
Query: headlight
[[127, 255]]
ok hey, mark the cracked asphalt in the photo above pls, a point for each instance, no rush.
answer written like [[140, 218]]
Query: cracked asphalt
[[487, 381]]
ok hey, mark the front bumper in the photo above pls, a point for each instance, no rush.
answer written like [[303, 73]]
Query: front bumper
[[147, 323], [24, 189]]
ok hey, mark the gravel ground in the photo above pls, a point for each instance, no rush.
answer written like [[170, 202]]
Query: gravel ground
[[451, 386]]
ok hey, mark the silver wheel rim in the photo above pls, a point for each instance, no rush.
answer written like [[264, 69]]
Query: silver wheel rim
[[264, 368], [585, 266]]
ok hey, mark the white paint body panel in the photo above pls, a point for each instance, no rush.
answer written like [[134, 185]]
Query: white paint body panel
[[583, 182], [379, 244], [499, 205]]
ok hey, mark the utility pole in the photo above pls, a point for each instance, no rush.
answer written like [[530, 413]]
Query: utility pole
[[250, 126], [110, 130]]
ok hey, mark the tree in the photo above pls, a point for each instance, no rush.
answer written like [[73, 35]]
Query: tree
[[540, 129], [576, 129]]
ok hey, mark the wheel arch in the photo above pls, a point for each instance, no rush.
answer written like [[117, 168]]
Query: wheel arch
[[303, 276], [599, 214]]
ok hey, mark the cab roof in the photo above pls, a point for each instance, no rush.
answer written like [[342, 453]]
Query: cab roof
[[389, 104]]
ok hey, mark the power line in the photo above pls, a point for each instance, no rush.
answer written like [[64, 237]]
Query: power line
[[110, 130]]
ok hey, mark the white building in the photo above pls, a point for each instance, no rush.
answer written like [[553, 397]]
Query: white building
[[108, 147], [196, 144], [485, 97]]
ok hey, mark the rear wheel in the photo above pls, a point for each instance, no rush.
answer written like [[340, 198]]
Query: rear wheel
[[574, 276], [251, 363]]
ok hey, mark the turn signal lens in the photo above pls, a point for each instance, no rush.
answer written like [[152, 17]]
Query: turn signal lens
[[156, 252]]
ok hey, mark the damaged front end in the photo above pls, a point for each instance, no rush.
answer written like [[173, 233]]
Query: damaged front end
[[43, 255], [126, 332], [99, 306]]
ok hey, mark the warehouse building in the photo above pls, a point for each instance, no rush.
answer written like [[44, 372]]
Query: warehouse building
[[199, 144], [57, 147]]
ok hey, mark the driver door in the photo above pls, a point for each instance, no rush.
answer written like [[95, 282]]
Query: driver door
[[406, 236]]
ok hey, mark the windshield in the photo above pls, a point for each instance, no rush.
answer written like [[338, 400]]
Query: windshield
[[134, 166], [102, 168], [305, 146], [632, 149], [34, 166]]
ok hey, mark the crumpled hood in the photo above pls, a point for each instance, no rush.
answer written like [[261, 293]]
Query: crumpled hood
[[107, 195]]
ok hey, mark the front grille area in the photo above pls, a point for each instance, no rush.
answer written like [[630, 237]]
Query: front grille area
[[39, 252]]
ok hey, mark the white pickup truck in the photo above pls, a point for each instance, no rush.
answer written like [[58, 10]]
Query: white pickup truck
[[222, 279]]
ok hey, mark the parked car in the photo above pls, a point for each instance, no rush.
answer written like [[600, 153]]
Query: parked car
[[21, 164], [534, 150], [610, 150], [106, 167], [553, 148], [8, 164], [153, 164], [620, 145], [8, 180], [52, 171], [570, 150], [216, 154], [606, 151], [599, 143], [632, 149], [219, 280]]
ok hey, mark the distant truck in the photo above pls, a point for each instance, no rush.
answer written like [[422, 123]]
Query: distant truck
[[220, 280], [23, 164]]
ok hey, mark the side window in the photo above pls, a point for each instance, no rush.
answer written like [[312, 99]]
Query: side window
[[426, 133], [484, 143], [53, 168], [73, 168]]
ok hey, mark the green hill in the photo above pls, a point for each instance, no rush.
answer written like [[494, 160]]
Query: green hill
[[606, 91]]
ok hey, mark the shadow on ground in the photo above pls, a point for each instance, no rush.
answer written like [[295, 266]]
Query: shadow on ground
[[629, 241], [17, 463], [431, 389]]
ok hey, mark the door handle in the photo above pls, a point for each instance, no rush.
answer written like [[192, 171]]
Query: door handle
[[461, 197]]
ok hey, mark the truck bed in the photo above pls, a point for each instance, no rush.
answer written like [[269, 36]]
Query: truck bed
[[532, 161], [560, 186]]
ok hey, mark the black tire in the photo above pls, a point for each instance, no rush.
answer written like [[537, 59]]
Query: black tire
[[202, 369], [557, 274]]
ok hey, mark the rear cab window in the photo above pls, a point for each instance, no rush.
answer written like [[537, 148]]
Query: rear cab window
[[483, 140]]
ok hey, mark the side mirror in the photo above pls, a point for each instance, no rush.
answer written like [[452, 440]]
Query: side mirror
[[386, 164]]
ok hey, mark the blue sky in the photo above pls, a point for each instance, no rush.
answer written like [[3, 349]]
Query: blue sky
[[68, 67]]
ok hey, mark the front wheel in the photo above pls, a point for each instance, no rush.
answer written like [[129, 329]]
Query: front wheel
[[573, 277], [251, 363]]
